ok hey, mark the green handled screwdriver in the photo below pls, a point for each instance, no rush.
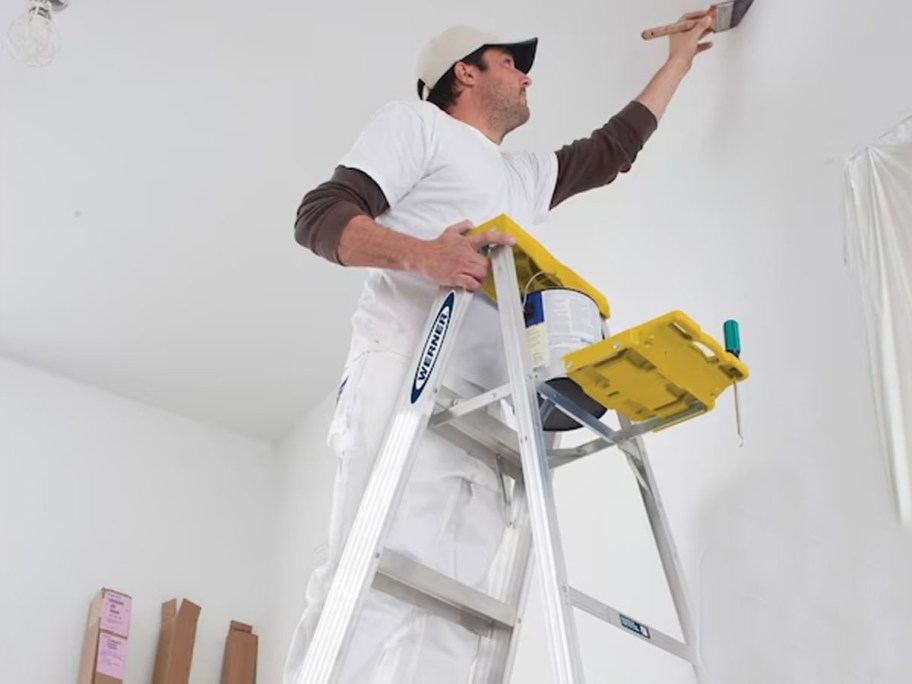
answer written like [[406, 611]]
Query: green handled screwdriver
[[733, 346]]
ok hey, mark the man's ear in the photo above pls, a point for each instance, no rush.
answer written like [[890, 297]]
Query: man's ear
[[465, 73]]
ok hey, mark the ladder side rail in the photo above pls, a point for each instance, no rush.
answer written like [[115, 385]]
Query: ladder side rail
[[559, 616], [361, 553], [510, 580], [661, 531]]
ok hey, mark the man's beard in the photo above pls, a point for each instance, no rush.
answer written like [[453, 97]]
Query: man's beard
[[506, 113]]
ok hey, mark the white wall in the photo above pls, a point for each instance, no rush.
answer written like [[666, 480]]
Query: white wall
[[99, 491]]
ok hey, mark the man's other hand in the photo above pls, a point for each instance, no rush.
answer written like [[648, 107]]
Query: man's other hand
[[683, 47]]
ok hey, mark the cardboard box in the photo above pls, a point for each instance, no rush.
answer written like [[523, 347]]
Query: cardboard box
[[104, 651], [240, 661], [175, 642]]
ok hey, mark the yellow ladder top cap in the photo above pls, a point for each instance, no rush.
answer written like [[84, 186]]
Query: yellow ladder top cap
[[533, 260]]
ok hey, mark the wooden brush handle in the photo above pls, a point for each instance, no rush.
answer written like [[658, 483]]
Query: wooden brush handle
[[660, 31]]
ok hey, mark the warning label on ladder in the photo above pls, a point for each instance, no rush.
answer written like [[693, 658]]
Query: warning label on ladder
[[634, 626]]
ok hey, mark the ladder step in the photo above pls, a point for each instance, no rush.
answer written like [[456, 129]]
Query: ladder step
[[458, 406], [413, 582], [629, 625], [487, 439]]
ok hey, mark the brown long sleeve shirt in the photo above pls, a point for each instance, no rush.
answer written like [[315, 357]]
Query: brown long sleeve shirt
[[582, 165]]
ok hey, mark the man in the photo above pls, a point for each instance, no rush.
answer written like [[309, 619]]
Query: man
[[416, 168]]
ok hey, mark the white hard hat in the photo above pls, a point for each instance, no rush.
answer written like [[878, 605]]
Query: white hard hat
[[454, 44]]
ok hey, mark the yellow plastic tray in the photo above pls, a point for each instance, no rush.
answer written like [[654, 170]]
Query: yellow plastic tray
[[536, 268], [661, 368]]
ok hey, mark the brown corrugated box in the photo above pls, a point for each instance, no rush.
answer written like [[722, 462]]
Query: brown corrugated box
[[175, 642], [240, 661], [104, 651]]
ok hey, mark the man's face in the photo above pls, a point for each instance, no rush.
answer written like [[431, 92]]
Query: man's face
[[502, 89]]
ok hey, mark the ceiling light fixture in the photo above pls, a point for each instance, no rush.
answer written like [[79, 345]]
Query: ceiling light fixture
[[33, 37]]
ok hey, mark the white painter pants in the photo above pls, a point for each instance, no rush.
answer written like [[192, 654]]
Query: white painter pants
[[451, 518]]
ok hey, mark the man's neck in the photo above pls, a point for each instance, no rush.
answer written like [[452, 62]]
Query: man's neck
[[476, 119]]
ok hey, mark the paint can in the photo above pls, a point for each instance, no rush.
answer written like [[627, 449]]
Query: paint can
[[558, 322]]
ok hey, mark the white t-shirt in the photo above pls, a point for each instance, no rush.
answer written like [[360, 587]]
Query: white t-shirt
[[436, 171]]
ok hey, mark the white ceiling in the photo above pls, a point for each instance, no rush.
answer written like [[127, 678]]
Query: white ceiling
[[150, 176]]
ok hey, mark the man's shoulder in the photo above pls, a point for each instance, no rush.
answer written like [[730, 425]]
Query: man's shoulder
[[409, 108]]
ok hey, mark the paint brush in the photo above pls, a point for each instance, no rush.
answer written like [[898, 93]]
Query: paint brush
[[726, 15]]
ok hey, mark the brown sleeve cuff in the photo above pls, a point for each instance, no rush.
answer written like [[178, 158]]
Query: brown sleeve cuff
[[595, 161], [326, 210]]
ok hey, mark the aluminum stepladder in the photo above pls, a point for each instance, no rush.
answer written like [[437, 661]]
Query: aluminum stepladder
[[522, 454]]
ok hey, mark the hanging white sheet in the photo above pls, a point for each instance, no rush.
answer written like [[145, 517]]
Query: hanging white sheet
[[879, 251]]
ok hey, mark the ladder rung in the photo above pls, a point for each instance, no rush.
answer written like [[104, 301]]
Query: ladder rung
[[460, 407], [487, 451], [629, 625], [485, 438], [560, 457], [411, 581]]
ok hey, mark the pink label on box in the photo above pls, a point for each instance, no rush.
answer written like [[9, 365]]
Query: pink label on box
[[115, 613], [112, 656]]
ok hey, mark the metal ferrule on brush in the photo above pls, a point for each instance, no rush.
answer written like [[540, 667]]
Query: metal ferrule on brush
[[723, 12]]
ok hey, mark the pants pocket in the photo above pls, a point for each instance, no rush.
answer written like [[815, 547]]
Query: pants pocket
[[341, 422]]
